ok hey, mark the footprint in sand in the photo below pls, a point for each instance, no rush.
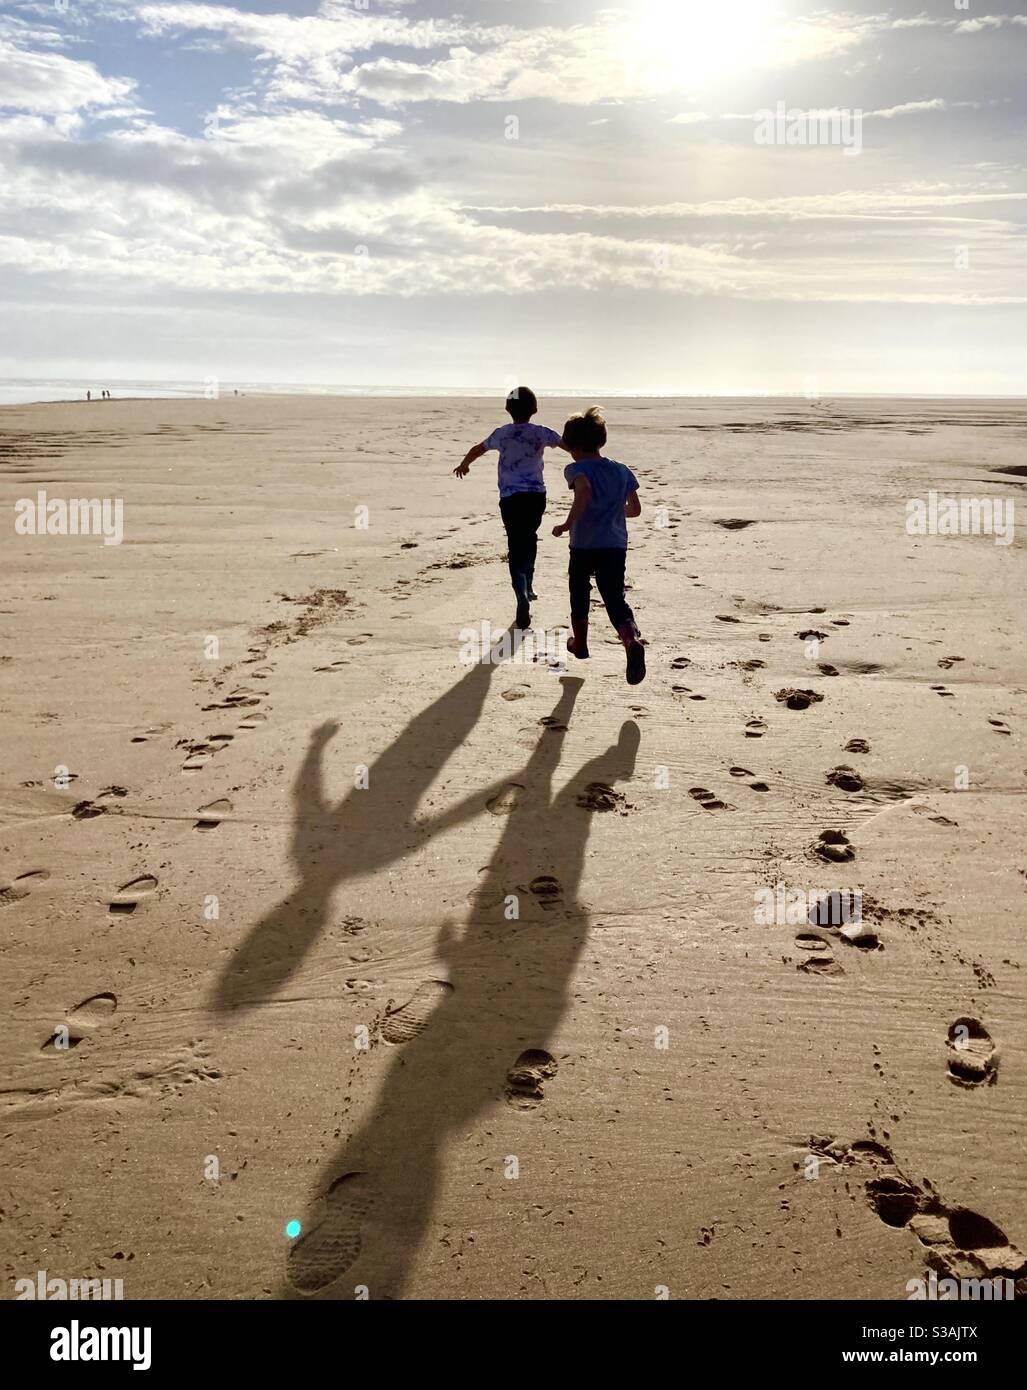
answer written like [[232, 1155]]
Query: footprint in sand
[[598, 796], [22, 886], [413, 1017], [752, 664], [755, 728], [840, 911], [504, 802], [727, 618], [332, 1244], [253, 720], [486, 894], [154, 731], [798, 699], [834, 909], [548, 890], [687, 690], [333, 668], [708, 800], [741, 772], [833, 845], [131, 894], [199, 754], [973, 1056], [819, 958], [826, 669], [960, 1243], [525, 1081], [857, 745], [946, 661], [679, 663], [846, 779], [515, 692], [922, 810], [945, 694], [813, 634], [999, 727], [239, 699], [212, 814], [83, 1019], [733, 523]]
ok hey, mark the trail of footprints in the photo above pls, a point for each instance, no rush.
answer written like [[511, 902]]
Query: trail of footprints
[[198, 754]]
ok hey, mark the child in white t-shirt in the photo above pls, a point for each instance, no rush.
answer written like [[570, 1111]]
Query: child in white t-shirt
[[522, 488]]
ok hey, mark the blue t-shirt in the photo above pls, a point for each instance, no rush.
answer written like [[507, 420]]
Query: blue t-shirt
[[602, 524], [520, 456]]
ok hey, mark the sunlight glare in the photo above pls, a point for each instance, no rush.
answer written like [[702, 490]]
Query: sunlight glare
[[680, 42]]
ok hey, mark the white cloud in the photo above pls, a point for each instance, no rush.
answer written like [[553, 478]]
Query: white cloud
[[50, 84], [989, 21], [910, 108], [911, 200], [612, 58]]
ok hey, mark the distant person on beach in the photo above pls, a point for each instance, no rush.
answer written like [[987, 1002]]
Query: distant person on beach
[[522, 489], [89, 395], [605, 494]]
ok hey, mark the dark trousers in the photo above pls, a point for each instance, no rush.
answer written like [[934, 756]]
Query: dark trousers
[[608, 567], [522, 516]]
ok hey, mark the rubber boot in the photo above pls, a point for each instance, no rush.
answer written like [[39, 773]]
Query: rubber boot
[[520, 588], [578, 644], [632, 639]]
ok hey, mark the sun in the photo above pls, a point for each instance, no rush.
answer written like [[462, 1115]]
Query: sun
[[679, 43]]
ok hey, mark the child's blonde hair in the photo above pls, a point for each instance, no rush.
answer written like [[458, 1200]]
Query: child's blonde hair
[[586, 433]]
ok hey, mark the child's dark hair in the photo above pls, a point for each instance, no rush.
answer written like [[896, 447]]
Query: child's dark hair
[[586, 433], [521, 404]]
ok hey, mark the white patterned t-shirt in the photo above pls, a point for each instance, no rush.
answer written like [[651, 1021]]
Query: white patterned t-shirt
[[520, 456]]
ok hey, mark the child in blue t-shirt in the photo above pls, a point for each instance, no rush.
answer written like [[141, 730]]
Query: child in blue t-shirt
[[522, 489], [605, 494]]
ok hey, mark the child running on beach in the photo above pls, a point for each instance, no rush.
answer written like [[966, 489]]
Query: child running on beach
[[522, 489], [605, 494]]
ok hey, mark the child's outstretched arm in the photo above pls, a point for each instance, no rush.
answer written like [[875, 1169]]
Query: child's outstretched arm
[[464, 466], [582, 497], [632, 506]]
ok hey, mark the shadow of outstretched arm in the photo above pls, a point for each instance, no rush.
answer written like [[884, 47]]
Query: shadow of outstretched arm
[[368, 828]]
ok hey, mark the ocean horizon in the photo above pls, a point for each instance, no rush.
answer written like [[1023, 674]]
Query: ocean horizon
[[55, 390]]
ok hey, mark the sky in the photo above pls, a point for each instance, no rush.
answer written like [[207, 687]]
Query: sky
[[578, 196]]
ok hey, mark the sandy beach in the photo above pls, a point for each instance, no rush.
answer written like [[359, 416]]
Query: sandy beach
[[462, 966]]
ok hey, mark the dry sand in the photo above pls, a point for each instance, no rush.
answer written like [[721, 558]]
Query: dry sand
[[799, 1129]]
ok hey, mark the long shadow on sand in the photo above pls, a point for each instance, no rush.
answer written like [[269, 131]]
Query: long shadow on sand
[[505, 990], [365, 831]]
